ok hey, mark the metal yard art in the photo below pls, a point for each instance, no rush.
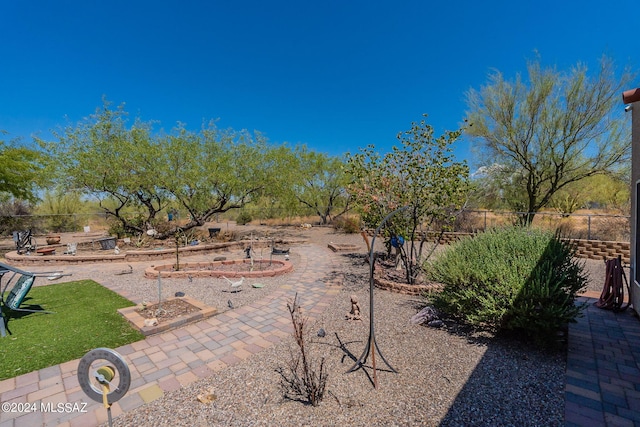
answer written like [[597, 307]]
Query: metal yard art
[[372, 345]]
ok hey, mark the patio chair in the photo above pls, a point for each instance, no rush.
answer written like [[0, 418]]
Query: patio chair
[[20, 288]]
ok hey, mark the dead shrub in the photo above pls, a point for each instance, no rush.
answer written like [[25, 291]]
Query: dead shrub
[[226, 236], [300, 380], [610, 228], [349, 225], [469, 222]]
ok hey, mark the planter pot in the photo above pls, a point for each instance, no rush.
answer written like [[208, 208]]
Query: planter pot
[[52, 239], [107, 243]]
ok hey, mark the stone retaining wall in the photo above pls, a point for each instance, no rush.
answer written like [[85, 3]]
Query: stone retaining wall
[[130, 256], [591, 249], [248, 269], [598, 249]]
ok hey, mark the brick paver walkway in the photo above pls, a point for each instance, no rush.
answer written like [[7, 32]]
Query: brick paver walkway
[[171, 360], [603, 368]]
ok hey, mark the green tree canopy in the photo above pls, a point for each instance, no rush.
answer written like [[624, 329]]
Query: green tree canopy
[[20, 170], [214, 170], [552, 130], [136, 174], [498, 187], [103, 158], [420, 173], [598, 191], [319, 182]]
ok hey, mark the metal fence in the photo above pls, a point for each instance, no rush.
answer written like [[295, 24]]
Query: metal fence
[[58, 223], [590, 226]]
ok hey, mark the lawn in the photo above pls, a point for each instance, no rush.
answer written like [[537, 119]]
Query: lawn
[[85, 318]]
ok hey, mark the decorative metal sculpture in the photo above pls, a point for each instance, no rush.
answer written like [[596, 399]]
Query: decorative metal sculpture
[[97, 380], [372, 345]]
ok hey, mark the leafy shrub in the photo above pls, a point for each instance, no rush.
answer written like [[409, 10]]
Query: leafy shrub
[[512, 279], [162, 227], [116, 228], [243, 218], [134, 223]]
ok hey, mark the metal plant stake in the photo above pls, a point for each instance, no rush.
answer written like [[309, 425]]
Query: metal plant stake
[[372, 345], [159, 311]]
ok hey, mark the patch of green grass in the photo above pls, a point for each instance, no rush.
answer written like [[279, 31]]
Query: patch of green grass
[[85, 318]]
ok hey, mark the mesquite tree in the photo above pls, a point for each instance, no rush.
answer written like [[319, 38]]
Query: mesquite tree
[[319, 182], [136, 173], [20, 170], [551, 131], [420, 173]]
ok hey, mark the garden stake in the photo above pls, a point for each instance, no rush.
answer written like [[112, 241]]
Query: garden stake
[[372, 345], [159, 311]]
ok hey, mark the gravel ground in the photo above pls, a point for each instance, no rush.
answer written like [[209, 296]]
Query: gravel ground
[[214, 292], [446, 376]]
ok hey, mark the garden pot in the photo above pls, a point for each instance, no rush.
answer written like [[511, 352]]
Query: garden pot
[[107, 243], [52, 239]]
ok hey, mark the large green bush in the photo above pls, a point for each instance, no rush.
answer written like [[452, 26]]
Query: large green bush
[[518, 279]]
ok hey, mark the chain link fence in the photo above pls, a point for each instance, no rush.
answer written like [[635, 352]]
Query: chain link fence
[[590, 226], [100, 221], [58, 223]]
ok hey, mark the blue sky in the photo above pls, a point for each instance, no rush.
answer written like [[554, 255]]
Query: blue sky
[[335, 75]]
